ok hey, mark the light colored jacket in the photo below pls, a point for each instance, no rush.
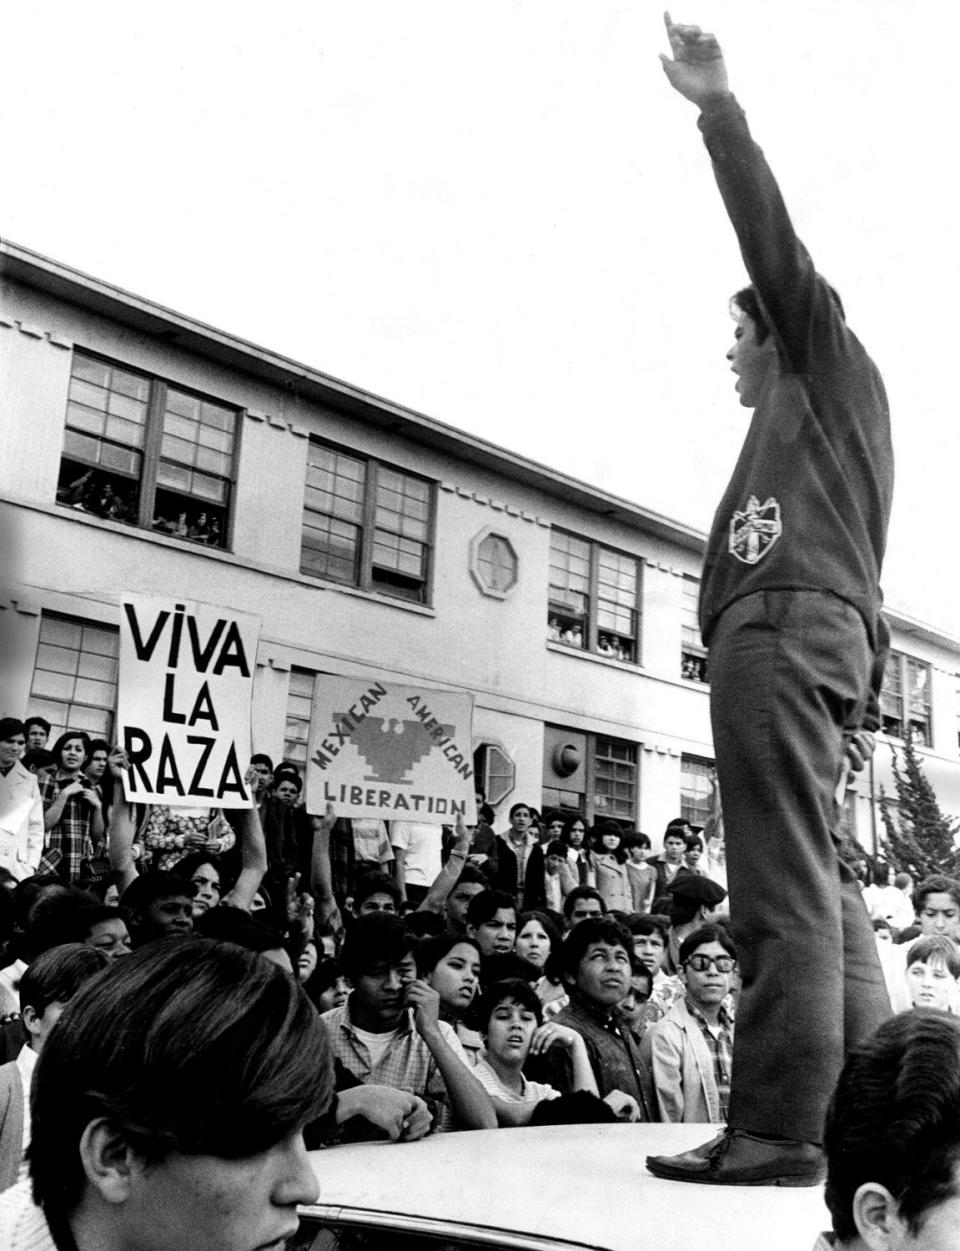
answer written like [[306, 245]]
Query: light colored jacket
[[21, 822], [677, 1062], [613, 883]]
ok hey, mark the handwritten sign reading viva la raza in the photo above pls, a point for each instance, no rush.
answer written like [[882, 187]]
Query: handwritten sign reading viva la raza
[[185, 686], [378, 749]]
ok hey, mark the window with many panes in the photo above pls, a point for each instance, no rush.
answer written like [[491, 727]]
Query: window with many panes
[[693, 655], [606, 788], [695, 789], [75, 676], [299, 704], [594, 598], [366, 524], [140, 450], [905, 698]]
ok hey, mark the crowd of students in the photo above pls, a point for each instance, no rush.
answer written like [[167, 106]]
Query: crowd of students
[[550, 973]]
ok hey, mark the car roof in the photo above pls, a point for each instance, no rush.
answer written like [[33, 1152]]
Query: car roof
[[581, 1184]]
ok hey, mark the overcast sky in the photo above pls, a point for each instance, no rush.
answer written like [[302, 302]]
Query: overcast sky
[[499, 214]]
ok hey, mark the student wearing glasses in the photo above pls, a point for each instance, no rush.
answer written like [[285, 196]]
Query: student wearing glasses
[[686, 1056]]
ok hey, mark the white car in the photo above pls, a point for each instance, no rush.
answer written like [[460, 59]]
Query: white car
[[555, 1188]]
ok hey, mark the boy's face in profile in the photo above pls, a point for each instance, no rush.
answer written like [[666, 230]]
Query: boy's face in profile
[[630, 1007]]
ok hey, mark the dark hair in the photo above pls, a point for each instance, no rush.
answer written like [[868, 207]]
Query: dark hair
[[649, 923], [288, 774], [193, 1025], [593, 930], [517, 807], [705, 934], [28, 893], [604, 828], [639, 969], [570, 823], [487, 904], [54, 920], [637, 839], [430, 951], [509, 988], [747, 301], [583, 892], [261, 757], [56, 975], [234, 925], [65, 738], [551, 968], [186, 867], [694, 841], [99, 744], [10, 727], [42, 722], [375, 883], [424, 924], [377, 938], [937, 885], [556, 847], [894, 1119], [471, 874], [94, 914], [677, 828], [935, 947], [156, 884]]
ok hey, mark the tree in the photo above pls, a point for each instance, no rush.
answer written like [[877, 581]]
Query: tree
[[919, 837]]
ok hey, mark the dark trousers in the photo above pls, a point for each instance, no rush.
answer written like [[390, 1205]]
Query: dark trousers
[[789, 673]]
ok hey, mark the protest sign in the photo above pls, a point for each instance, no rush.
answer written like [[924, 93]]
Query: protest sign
[[185, 686], [378, 749]]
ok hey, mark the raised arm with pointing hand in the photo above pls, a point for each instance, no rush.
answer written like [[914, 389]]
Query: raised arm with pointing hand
[[697, 69]]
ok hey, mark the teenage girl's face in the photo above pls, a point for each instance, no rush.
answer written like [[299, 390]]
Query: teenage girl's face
[[533, 943], [578, 832], [456, 977], [207, 881], [72, 755]]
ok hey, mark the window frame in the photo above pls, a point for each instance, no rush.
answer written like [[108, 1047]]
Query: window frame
[[367, 525], [590, 642], [693, 654], [38, 703], [588, 807], [901, 696], [692, 812], [152, 455]]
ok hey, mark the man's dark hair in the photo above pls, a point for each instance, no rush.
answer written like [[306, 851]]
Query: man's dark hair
[[56, 975], [99, 744], [287, 773], [649, 923], [193, 1025], [592, 930], [706, 934], [157, 884], [694, 842], [894, 1119], [375, 883], [375, 939], [509, 988], [471, 874], [261, 757], [582, 892], [517, 807], [747, 301], [677, 828], [487, 904], [556, 847], [424, 924], [938, 885], [42, 722], [234, 925]]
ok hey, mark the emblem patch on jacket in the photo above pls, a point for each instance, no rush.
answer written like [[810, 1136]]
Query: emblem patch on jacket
[[754, 530]]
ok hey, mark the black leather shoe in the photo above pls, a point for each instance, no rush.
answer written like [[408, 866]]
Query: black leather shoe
[[737, 1158]]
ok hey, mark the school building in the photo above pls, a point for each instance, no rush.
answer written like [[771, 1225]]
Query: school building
[[146, 452]]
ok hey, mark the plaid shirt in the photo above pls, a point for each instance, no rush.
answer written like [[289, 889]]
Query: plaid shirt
[[407, 1063], [720, 1046], [70, 841]]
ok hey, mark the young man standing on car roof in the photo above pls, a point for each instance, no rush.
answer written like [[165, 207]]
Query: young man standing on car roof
[[790, 610]]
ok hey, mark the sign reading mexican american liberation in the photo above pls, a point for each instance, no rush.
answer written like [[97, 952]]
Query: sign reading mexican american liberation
[[402, 753], [183, 701]]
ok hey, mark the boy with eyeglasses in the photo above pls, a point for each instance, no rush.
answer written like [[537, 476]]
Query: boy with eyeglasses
[[686, 1057]]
